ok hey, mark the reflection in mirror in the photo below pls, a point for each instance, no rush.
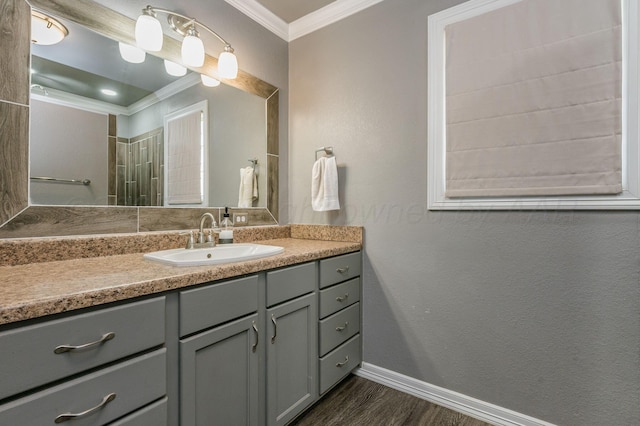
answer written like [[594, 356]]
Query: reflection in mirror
[[81, 131]]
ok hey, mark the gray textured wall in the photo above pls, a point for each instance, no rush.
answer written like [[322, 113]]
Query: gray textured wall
[[57, 153], [537, 312]]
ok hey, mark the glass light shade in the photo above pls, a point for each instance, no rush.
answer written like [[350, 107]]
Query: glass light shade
[[192, 51], [132, 54], [46, 30], [209, 81], [227, 65], [174, 69], [148, 33]]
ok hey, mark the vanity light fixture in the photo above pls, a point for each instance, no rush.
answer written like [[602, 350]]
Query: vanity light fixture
[[132, 54], [149, 36], [45, 30], [174, 69], [209, 81]]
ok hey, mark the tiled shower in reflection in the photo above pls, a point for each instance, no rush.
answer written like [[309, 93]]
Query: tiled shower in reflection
[[140, 169]]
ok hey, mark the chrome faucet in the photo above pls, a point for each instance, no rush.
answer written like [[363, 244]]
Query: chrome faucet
[[201, 235]]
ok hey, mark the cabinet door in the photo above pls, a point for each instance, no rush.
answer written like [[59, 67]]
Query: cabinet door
[[219, 375], [291, 359]]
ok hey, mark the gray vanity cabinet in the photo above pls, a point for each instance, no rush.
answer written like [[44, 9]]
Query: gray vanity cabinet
[[339, 349], [219, 354], [256, 350], [292, 342], [66, 370], [219, 380]]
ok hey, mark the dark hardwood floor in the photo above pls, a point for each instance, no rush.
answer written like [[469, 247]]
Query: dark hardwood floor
[[357, 401]]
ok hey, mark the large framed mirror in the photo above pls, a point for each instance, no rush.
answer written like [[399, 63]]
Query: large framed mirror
[[237, 139]]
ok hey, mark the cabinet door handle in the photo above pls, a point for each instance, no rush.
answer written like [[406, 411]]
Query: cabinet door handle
[[71, 416], [275, 329], [343, 298], [343, 270], [255, 330], [342, 364], [68, 348], [346, 324]]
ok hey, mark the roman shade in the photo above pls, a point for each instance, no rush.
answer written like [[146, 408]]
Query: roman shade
[[184, 160], [534, 100]]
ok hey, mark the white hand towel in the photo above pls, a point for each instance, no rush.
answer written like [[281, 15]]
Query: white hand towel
[[248, 191], [324, 185]]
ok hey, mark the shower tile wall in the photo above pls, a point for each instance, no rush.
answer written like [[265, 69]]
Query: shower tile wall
[[112, 165], [140, 169]]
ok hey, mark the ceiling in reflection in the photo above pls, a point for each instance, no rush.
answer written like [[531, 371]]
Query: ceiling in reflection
[[73, 67]]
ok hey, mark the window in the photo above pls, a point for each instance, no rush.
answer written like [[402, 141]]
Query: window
[[510, 157], [185, 156]]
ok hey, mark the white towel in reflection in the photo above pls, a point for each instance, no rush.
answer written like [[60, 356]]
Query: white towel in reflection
[[248, 192], [324, 185]]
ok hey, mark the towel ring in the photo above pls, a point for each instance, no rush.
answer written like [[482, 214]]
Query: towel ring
[[328, 151]]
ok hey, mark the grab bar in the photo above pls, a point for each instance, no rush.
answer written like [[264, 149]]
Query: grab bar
[[85, 182]]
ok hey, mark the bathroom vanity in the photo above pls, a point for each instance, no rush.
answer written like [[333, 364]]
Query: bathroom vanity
[[132, 342]]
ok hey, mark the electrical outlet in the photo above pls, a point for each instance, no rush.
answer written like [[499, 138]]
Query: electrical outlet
[[240, 219]]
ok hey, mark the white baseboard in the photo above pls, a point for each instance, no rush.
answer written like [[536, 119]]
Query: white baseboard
[[456, 401]]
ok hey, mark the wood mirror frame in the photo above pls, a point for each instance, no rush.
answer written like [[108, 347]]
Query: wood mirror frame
[[20, 219]]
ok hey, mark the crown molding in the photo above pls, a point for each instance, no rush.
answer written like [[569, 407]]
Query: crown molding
[[60, 97], [327, 15], [165, 92], [262, 16]]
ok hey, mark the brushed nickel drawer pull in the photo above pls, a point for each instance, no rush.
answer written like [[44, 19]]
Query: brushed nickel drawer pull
[[275, 329], [346, 324], [71, 416], [342, 364], [255, 330], [68, 348], [343, 298], [343, 270]]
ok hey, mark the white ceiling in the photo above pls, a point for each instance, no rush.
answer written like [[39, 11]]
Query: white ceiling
[[291, 19]]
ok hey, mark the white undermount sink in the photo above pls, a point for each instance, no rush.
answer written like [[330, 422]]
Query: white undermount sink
[[222, 253]]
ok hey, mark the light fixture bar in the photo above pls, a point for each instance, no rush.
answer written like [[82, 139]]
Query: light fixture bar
[[184, 22], [149, 36]]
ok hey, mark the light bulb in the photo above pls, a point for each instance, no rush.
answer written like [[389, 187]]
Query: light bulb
[[148, 32], [209, 81], [132, 54], [228, 64], [174, 69], [192, 50]]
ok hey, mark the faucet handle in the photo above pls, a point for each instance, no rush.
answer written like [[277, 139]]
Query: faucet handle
[[190, 241], [210, 236]]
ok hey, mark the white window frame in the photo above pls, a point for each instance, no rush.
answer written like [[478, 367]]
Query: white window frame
[[436, 199], [203, 108]]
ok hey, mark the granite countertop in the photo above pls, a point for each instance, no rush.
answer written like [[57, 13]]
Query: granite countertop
[[37, 289]]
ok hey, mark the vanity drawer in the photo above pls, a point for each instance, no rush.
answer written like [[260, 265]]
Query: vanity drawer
[[339, 363], [27, 357], [334, 298], [154, 414], [135, 383], [214, 304], [339, 268], [288, 283], [339, 327]]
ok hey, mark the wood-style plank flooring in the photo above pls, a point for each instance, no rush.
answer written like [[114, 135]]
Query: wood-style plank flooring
[[357, 401]]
